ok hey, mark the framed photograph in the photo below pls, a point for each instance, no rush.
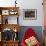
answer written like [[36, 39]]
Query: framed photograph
[[30, 14]]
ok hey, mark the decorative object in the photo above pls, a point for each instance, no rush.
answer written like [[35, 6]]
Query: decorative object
[[5, 12], [15, 3], [30, 14], [13, 12], [15, 30]]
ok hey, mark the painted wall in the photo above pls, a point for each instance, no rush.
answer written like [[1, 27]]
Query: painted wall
[[37, 29], [27, 4]]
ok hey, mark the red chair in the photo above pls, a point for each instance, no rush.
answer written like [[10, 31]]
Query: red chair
[[29, 33]]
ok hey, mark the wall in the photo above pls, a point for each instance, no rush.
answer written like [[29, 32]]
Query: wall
[[37, 29], [27, 4]]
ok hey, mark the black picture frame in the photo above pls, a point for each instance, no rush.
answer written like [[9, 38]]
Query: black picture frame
[[30, 14]]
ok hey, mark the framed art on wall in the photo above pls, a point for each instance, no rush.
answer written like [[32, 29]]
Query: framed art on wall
[[30, 14], [5, 12]]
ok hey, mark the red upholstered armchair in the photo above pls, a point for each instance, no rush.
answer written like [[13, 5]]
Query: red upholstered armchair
[[30, 39]]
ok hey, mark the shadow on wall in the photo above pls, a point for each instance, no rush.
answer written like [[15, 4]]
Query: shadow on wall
[[37, 29]]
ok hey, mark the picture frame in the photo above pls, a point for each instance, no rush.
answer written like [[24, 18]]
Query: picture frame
[[13, 12], [30, 14], [5, 12]]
